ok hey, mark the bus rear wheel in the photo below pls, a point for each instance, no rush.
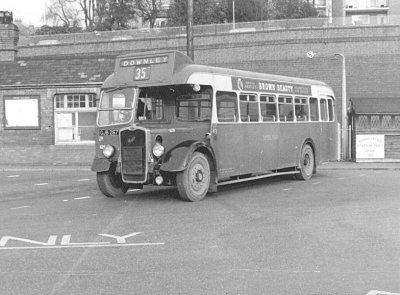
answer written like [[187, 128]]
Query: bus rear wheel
[[111, 184], [194, 182], [307, 162]]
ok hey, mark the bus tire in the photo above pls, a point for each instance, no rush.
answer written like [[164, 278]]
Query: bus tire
[[111, 184], [307, 163], [194, 182]]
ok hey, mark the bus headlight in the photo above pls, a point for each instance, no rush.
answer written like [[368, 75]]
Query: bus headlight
[[158, 150], [108, 151]]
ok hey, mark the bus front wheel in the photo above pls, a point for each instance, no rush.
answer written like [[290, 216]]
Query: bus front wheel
[[111, 184], [307, 162], [194, 182]]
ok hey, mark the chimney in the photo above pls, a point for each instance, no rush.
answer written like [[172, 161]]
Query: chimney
[[9, 35]]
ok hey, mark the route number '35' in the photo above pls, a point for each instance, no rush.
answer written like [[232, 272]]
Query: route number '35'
[[142, 73]]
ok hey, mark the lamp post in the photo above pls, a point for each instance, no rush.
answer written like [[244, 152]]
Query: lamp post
[[233, 14], [344, 108], [189, 30]]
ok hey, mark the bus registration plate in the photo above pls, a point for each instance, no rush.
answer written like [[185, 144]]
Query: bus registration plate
[[141, 73]]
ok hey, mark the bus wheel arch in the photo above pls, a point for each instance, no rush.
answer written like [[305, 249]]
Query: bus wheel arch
[[307, 161], [194, 181], [110, 183]]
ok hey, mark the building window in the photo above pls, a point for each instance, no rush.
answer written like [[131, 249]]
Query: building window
[[21, 112], [75, 118], [359, 20]]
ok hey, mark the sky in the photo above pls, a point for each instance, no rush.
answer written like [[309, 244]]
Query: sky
[[29, 11]]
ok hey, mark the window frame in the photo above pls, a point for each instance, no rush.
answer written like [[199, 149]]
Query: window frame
[[234, 99], [91, 106], [22, 97], [249, 102], [267, 102], [286, 103]]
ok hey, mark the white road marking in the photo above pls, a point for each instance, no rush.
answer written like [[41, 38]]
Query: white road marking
[[12, 176], [340, 178], [287, 189], [83, 179], [81, 198], [82, 246], [15, 208], [361, 175], [316, 182], [43, 183], [65, 200], [375, 292]]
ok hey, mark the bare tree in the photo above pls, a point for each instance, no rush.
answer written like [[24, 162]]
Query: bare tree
[[88, 9], [149, 10], [64, 12]]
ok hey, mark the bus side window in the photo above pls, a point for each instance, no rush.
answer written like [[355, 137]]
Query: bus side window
[[330, 110], [268, 108], [301, 108], [227, 109], [248, 108], [285, 109], [324, 109], [314, 109]]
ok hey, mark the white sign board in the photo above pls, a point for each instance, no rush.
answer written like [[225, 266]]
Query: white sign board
[[370, 146]]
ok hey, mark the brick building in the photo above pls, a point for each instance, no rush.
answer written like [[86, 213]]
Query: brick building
[[54, 81]]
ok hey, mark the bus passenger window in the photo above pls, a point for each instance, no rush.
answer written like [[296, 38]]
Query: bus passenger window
[[314, 109], [324, 110], [330, 110], [227, 109], [248, 108], [194, 107], [285, 109], [268, 108], [301, 109]]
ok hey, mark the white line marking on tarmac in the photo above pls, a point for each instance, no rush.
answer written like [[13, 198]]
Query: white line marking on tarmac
[[340, 178], [15, 208], [40, 184], [83, 179], [81, 246], [81, 198], [12, 176], [287, 189], [316, 182], [375, 292], [361, 175]]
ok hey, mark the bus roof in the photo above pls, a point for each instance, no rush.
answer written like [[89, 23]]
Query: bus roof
[[174, 67]]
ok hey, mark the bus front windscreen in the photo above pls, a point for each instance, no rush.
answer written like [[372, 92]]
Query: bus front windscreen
[[116, 106]]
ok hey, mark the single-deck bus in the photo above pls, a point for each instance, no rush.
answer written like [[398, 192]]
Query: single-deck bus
[[163, 120]]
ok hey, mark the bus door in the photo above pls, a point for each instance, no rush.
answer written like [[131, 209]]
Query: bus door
[[225, 138], [328, 135]]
